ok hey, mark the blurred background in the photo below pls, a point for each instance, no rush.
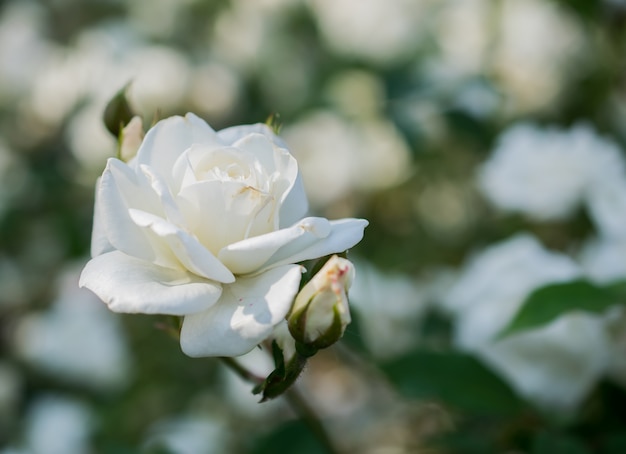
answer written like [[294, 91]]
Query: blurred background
[[483, 140]]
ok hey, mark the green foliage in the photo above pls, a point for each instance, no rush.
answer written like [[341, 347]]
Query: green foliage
[[546, 304], [555, 443], [458, 380], [293, 437]]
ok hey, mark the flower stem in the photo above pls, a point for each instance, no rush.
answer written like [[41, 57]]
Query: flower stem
[[241, 371], [310, 418], [296, 402]]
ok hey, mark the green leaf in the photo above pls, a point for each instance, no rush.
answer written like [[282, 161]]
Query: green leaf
[[548, 303], [615, 443], [550, 443], [459, 380], [292, 437]]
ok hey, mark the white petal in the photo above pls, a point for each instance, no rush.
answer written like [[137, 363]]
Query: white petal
[[244, 316], [191, 253], [295, 205], [159, 186], [250, 255], [117, 191], [289, 189], [99, 241], [224, 212], [261, 148], [308, 239], [128, 284], [231, 135], [169, 138], [345, 233]]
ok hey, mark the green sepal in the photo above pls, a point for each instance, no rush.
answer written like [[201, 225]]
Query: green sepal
[[332, 335], [282, 377], [305, 350], [296, 321]]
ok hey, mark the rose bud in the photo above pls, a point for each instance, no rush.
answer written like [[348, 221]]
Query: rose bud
[[320, 312], [130, 139]]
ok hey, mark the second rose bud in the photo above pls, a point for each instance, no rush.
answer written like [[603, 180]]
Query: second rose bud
[[320, 312]]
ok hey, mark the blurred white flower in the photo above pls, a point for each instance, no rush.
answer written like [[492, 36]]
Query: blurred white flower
[[241, 32], [158, 19], [380, 32], [58, 425], [160, 78], [89, 141], [338, 157], [462, 33], [356, 93], [101, 61], [446, 209], [215, 89], [250, 37], [479, 99], [539, 48], [606, 204], [24, 51], [189, 435], [547, 173], [554, 366], [390, 308], [604, 259], [77, 339]]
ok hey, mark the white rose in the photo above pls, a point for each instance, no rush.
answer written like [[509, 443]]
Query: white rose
[[208, 225], [554, 366]]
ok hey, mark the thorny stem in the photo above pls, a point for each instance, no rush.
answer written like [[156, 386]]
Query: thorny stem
[[296, 401]]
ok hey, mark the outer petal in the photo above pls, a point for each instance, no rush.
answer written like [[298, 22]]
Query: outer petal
[[128, 284], [345, 234], [250, 255], [99, 241], [231, 135], [308, 239], [118, 190], [169, 138], [168, 206], [245, 315], [295, 205], [187, 249]]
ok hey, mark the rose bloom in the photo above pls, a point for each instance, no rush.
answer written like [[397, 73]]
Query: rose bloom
[[208, 225]]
